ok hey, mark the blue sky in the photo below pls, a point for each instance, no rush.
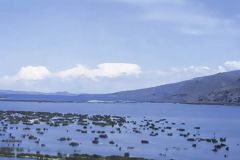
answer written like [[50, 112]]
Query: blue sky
[[110, 45]]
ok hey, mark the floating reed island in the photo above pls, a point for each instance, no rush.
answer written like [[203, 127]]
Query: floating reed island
[[21, 128]]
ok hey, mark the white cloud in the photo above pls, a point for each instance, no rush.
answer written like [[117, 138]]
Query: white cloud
[[113, 70], [28, 73], [193, 69], [82, 79], [184, 73], [109, 70], [33, 73], [232, 65], [118, 69], [178, 74]]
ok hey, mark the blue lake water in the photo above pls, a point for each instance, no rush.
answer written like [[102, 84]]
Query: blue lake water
[[214, 120]]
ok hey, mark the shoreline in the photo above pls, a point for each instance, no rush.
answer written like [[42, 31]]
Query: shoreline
[[70, 157], [119, 102]]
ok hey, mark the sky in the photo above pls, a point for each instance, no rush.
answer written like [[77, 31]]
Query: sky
[[101, 46]]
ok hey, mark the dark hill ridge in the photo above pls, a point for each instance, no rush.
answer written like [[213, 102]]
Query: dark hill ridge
[[221, 88], [209, 89]]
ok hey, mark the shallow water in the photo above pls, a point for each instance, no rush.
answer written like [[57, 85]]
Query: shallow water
[[218, 121]]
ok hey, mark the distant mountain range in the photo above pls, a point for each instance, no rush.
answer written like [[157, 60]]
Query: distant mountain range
[[221, 88]]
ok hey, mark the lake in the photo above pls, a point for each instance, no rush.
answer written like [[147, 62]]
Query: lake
[[201, 121]]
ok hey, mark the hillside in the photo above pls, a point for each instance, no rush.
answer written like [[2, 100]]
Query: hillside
[[221, 88], [218, 88]]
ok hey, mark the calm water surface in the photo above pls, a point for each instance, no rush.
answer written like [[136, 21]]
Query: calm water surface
[[218, 121]]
